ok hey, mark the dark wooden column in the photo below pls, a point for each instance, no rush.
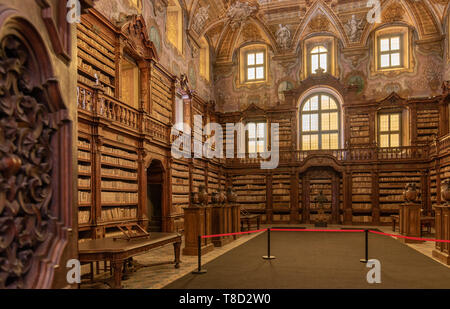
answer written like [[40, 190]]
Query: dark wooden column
[[372, 129], [142, 185], [269, 198], [168, 224], [294, 197], [96, 182], [443, 117], [424, 185], [347, 187]]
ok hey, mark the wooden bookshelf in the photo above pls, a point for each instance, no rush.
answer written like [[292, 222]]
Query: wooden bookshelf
[[362, 197], [119, 184], [427, 124], [359, 129], [391, 188], [251, 191], [281, 189], [84, 181]]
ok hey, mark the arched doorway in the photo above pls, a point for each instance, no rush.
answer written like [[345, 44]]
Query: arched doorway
[[155, 195], [317, 180]]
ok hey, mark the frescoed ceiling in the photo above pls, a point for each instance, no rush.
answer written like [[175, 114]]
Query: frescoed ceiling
[[227, 23]]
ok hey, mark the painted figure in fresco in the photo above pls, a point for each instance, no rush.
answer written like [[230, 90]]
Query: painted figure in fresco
[[354, 28], [283, 36]]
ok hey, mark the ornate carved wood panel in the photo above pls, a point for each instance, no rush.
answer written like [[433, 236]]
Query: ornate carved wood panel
[[35, 166]]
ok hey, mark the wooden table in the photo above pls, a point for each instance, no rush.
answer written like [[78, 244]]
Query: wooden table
[[118, 251]]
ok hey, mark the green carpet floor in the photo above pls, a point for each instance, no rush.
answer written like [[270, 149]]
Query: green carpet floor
[[318, 260]]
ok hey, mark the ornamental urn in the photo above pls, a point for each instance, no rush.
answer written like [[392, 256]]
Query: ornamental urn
[[410, 193], [231, 195], [215, 198], [222, 197], [445, 190], [202, 195]]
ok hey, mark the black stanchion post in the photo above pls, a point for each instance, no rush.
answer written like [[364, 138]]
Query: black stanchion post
[[366, 259], [199, 270], [268, 256]]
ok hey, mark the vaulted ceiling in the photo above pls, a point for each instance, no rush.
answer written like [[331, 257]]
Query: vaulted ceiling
[[227, 24]]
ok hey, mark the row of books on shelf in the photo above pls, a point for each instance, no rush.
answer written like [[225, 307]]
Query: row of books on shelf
[[119, 197], [84, 197], [84, 155], [281, 191], [84, 168], [396, 198], [81, 35], [90, 82], [84, 216], [118, 172], [362, 219], [361, 179], [119, 185], [84, 182], [94, 52], [117, 151], [119, 161], [93, 72], [86, 57], [118, 213], [84, 144]]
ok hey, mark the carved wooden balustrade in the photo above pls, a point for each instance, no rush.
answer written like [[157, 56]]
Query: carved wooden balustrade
[[157, 130], [92, 102], [440, 146], [370, 154], [117, 111]]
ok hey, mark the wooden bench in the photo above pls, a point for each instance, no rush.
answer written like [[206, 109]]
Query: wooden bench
[[247, 219], [119, 251]]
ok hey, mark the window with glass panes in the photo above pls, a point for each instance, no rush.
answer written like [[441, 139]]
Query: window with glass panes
[[390, 130], [319, 123], [390, 51], [319, 59], [256, 137], [255, 66]]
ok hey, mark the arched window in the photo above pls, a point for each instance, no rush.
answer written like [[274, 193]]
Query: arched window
[[204, 59], [319, 59], [174, 26], [319, 123]]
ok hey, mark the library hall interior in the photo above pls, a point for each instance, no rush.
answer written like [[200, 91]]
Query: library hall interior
[[224, 144]]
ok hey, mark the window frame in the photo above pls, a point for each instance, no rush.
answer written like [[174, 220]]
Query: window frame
[[247, 66], [401, 51], [390, 132], [319, 132], [310, 55], [264, 139]]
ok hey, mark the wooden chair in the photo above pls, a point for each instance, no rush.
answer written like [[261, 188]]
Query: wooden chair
[[247, 218], [395, 220]]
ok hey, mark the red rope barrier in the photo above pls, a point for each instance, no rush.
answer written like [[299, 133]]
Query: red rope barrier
[[328, 230], [232, 234], [407, 237]]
